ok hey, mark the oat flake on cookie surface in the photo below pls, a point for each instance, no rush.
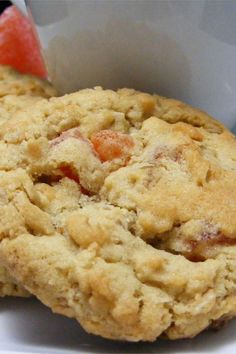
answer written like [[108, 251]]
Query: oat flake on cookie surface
[[118, 209]]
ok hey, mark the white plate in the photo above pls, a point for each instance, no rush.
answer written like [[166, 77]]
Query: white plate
[[26, 326]]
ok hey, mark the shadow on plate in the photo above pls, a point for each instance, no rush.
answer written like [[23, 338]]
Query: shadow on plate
[[31, 325]]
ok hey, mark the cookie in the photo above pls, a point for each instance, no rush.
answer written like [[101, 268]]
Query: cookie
[[9, 105], [14, 83], [8, 286], [18, 91], [118, 209]]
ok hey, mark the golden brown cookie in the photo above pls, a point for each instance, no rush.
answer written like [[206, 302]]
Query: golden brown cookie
[[18, 91], [118, 209], [9, 287]]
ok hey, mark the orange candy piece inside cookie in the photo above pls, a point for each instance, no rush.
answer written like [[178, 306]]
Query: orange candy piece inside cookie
[[110, 145], [105, 144]]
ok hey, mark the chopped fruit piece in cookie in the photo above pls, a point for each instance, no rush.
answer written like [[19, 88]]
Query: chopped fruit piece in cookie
[[111, 145], [73, 156], [150, 249], [68, 172]]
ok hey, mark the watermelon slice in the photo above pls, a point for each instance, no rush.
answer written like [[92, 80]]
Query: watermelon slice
[[18, 44]]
